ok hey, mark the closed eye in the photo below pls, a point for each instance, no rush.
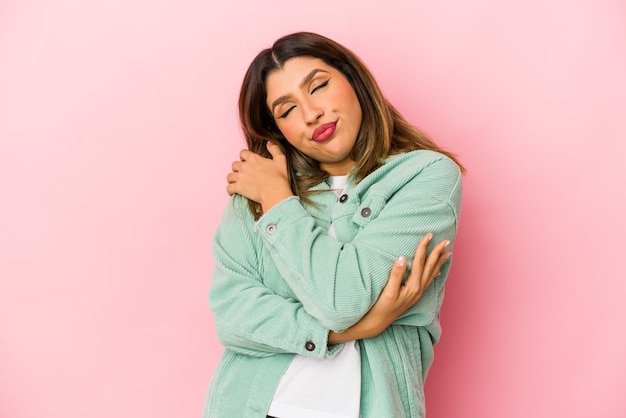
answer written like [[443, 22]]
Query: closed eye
[[321, 85], [286, 113]]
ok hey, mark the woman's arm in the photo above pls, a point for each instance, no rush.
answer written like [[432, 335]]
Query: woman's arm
[[338, 282], [249, 317], [399, 294]]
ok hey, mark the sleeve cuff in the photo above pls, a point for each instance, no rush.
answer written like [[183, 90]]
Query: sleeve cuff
[[315, 344], [279, 217]]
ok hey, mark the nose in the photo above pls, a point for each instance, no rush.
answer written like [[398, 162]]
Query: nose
[[311, 113]]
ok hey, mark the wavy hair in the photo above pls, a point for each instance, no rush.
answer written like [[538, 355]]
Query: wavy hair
[[384, 131]]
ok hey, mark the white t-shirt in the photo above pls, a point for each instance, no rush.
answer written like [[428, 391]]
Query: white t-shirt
[[321, 388]]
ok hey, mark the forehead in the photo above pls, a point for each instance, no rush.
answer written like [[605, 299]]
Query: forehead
[[289, 77]]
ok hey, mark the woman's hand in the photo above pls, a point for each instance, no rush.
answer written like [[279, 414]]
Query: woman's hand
[[397, 297], [263, 180]]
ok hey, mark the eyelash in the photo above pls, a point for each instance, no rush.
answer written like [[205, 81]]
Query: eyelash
[[324, 84], [284, 115], [319, 86]]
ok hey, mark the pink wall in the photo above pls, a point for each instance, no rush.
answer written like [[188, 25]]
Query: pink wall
[[118, 125]]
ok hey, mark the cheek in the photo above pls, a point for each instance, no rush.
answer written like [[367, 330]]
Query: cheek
[[354, 111], [350, 102], [290, 133]]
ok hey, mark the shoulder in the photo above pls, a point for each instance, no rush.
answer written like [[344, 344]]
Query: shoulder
[[435, 173], [234, 238], [237, 210], [236, 219], [416, 162], [423, 172]]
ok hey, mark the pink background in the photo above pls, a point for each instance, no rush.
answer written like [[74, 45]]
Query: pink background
[[118, 125]]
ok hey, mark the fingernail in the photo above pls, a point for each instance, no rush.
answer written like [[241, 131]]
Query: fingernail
[[430, 236], [448, 255], [446, 244], [401, 261]]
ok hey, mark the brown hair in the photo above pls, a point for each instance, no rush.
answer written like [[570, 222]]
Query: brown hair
[[383, 132]]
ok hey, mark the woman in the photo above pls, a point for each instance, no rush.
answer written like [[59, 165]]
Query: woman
[[309, 293]]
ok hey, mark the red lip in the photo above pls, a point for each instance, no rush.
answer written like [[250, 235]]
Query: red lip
[[323, 132]]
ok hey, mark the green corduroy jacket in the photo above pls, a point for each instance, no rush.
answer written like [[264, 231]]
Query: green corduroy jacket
[[281, 283]]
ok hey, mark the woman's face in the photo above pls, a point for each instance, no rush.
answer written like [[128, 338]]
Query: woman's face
[[317, 111]]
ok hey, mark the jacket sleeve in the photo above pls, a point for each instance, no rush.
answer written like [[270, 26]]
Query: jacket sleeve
[[339, 282], [249, 317]]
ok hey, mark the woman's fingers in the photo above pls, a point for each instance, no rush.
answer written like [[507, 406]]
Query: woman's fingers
[[244, 154], [434, 262], [419, 261], [397, 274], [425, 269], [442, 259], [274, 149], [420, 252], [397, 296]]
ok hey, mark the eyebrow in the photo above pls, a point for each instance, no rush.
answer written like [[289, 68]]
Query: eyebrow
[[304, 82]]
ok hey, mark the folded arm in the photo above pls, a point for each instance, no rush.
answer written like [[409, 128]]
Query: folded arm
[[249, 317], [339, 282]]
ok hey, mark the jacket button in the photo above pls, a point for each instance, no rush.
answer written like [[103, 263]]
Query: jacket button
[[343, 198], [271, 228], [310, 346], [365, 212]]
